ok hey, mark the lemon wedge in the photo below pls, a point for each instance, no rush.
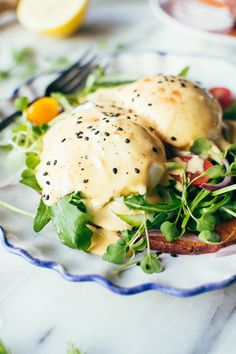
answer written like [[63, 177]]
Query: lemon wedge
[[58, 18]]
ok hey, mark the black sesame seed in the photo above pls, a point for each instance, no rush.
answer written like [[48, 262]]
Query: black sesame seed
[[182, 84], [89, 127], [107, 121], [158, 253], [173, 138], [114, 170], [136, 170], [63, 140], [79, 122], [97, 132], [48, 183], [127, 141], [86, 138], [45, 174], [106, 133], [47, 197], [54, 162], [128, 117], [119, 128], [155, 149], [48, 163], [149, 104], [85, 181]]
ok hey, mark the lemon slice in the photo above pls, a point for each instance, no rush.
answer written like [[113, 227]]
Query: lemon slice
[[52, 17]]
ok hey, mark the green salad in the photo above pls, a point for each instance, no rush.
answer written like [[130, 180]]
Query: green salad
[[187, 196]]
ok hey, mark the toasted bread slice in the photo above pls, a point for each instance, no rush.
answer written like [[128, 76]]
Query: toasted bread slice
[[190, 244]]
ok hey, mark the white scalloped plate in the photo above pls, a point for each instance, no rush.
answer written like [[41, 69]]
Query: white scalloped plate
[[184, 275]]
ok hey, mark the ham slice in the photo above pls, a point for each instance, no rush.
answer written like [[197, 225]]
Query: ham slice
[[190, 245]]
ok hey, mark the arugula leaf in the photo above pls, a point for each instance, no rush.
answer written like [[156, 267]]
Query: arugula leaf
[[28, 178], [43, 216], [229, 209], [138, 202], [157, 221], [71, 224], [223, 190], [184, 72], [77, 200]]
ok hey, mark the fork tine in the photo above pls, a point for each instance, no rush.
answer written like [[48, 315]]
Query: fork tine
[[78, 80], [57, 84]]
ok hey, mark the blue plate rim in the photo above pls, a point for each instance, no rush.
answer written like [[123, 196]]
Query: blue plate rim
[[58, 268]]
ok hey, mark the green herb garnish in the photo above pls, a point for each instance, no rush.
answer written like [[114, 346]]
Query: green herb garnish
[[3, 348], [201, 146], [184, 72], [21, 103]]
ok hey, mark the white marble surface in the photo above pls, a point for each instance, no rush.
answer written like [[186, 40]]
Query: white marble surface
[[40, 313]]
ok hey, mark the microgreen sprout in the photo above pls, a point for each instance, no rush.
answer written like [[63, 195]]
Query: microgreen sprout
[[169, 230], [209, 237], [184, 72], [201, 146], [21, 103], [206, 222]]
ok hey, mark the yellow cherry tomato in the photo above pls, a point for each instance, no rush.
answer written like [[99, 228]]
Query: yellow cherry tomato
[[43, 110]]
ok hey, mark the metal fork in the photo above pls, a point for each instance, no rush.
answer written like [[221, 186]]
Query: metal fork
[[70, 81]]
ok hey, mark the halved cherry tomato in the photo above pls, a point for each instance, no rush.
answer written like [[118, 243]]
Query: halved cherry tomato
[[43, 110], [185, 158], [203, 179], [223, 95]]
